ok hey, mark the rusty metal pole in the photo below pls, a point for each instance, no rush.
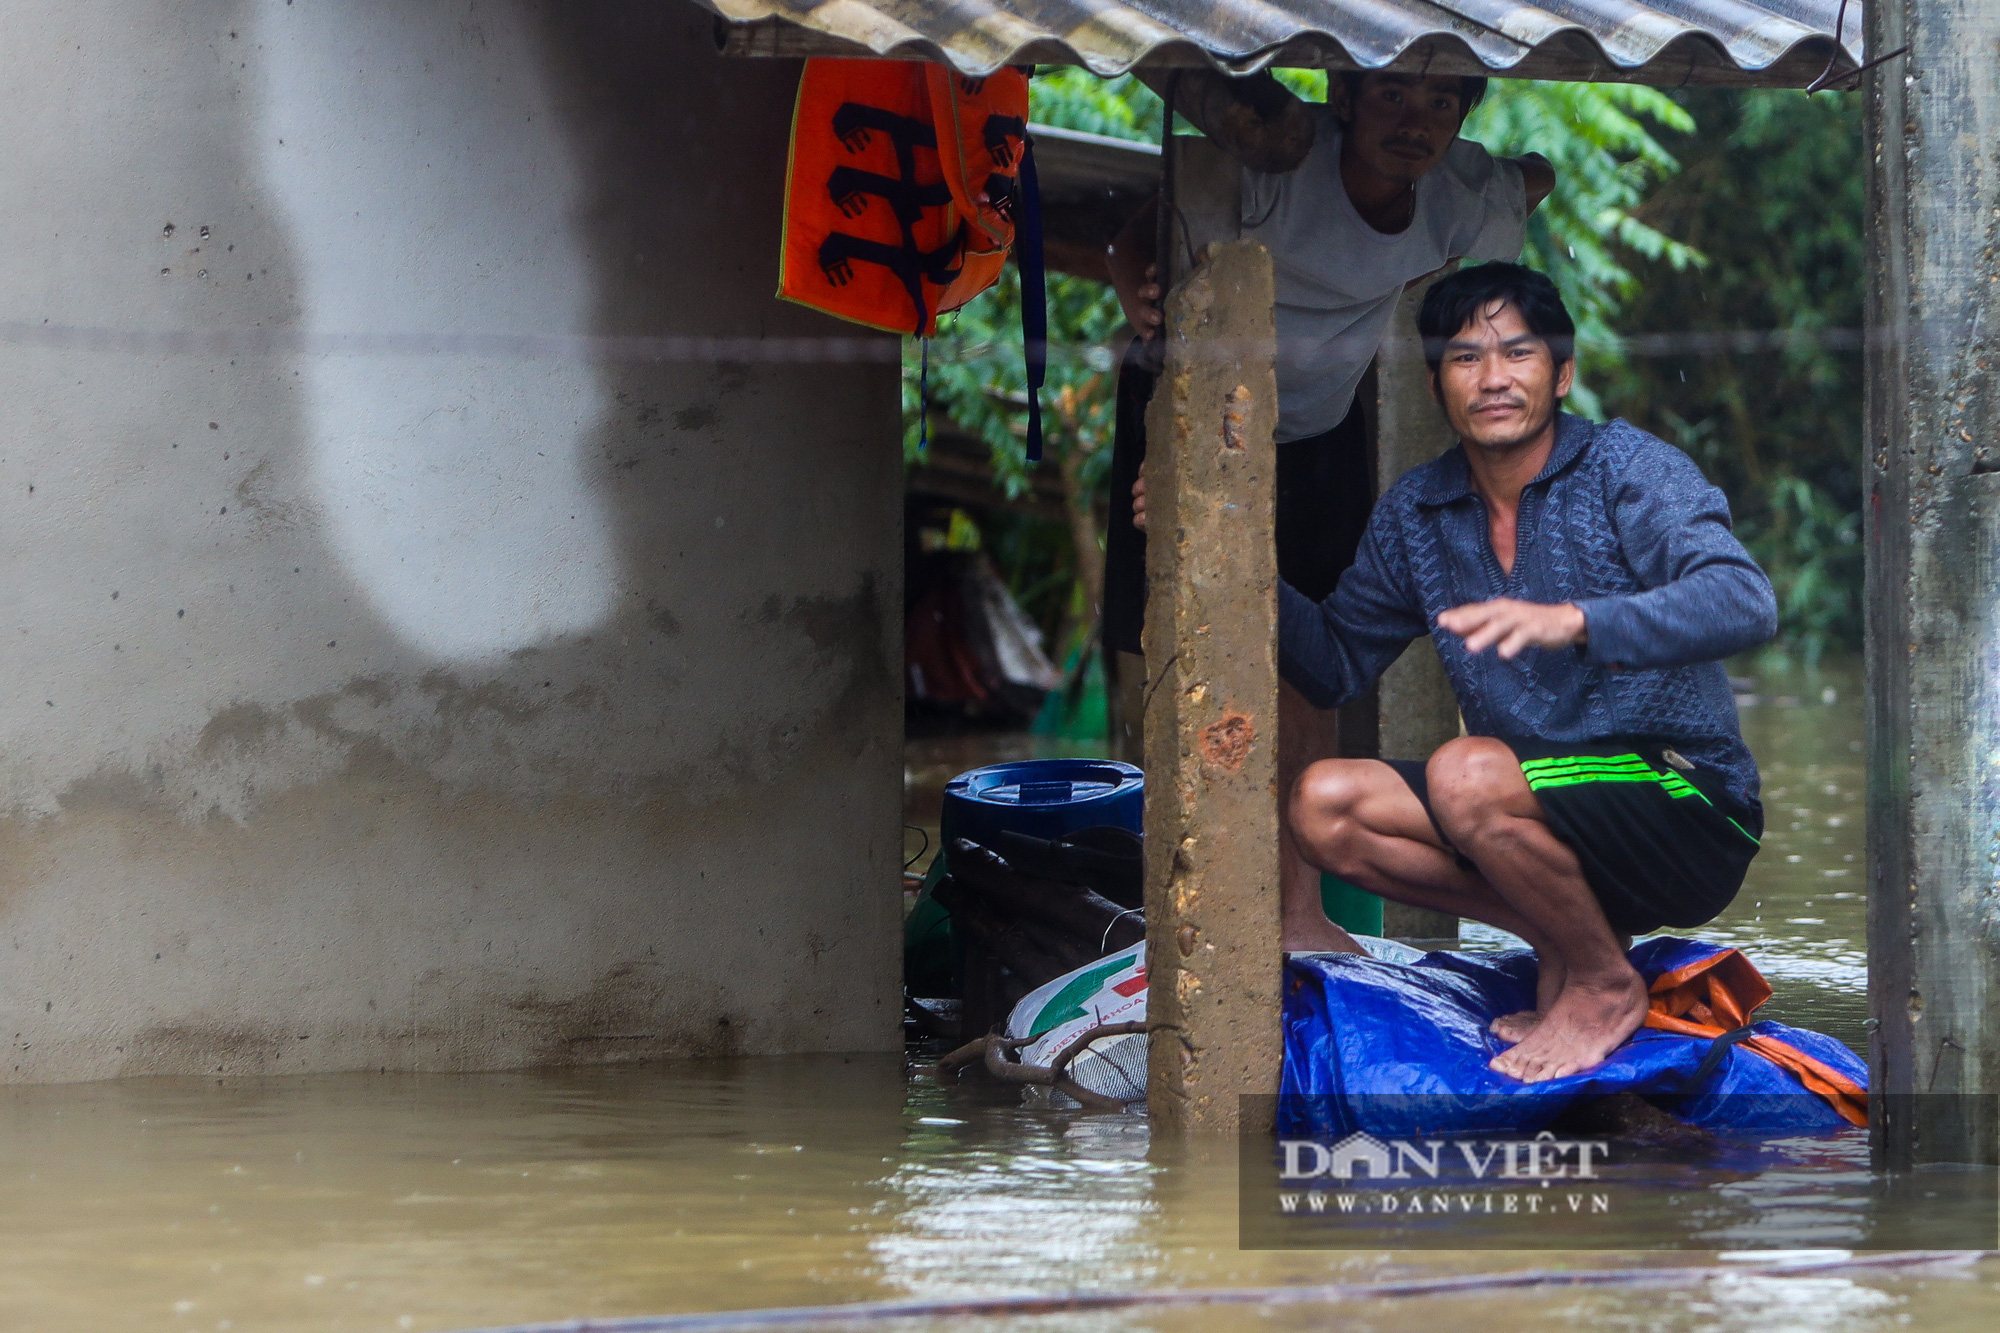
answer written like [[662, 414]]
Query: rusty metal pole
[[1417, 711], [1212, 937], [1933, 539]]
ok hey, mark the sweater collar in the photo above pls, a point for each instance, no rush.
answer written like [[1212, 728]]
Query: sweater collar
[[1451, 476]]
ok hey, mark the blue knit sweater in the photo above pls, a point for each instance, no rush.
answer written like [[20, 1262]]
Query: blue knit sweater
[[1618, 522]]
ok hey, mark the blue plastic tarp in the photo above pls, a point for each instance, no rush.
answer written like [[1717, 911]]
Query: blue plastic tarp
[[1402, 1049]]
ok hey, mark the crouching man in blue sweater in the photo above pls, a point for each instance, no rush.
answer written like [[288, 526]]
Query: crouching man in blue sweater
[[1582, 585]]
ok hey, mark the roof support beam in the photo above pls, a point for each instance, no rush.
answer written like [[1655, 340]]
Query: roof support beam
[[1933, 541], [1214, 964]]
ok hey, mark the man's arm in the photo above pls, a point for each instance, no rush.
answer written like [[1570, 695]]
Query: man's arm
[[1500, 232], [1253, 118], [1538, 178], [1332, 651], [1705, 598]]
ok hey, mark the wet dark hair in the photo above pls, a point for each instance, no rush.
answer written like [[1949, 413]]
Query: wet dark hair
[[1457, 299], [1471, 88]]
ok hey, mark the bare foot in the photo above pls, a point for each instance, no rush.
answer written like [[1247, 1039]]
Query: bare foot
[[1592, 1019], [1320, 936], [1549, 975]]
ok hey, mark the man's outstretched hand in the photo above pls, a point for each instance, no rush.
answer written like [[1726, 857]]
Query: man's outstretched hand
[[1515, 625]]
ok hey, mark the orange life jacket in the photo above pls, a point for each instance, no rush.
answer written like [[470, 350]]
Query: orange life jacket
[[899, 194]]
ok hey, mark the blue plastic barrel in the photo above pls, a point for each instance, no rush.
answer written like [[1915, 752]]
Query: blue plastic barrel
[[1044, 798]]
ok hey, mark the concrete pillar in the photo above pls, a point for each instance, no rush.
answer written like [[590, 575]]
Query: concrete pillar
[[416, 656], [1933, 534], [1213, 958], [1417, 711]]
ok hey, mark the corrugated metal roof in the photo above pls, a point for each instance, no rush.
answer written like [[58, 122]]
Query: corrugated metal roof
[[1770, 43]]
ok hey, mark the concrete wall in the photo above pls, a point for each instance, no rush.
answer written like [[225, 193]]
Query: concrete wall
[[405, 665]]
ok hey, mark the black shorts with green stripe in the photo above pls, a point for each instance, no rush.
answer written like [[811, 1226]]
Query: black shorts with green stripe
[[1661, 843]]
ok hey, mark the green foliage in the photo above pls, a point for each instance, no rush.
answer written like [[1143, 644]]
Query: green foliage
[[1071, 98], [1307, 83], [1755, 366], [1600, 139], [979, 378], [1810, 545], [1035, 561]]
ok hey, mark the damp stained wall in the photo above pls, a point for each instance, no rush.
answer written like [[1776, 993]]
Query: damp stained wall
[[413, 658]]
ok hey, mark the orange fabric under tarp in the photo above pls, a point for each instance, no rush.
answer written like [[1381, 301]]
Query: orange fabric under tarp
[[898, 196], [1716, 996]]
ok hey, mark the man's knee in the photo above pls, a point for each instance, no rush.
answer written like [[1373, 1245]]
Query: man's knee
[[1472, 780], [1325, 811]]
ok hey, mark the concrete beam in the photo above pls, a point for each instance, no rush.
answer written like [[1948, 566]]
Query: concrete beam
[[1213, 955], [1417, 711], [1933, 459]]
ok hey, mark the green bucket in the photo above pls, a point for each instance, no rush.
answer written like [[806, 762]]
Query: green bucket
[[1352, 908]]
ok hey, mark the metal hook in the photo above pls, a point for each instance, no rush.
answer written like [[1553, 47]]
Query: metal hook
[[1104, 944], [1826, 77]]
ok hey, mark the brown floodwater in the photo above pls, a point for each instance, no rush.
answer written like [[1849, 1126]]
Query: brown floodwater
[[442, 1202]]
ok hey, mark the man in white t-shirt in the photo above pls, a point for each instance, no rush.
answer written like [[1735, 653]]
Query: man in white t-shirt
[[1387, 195]]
